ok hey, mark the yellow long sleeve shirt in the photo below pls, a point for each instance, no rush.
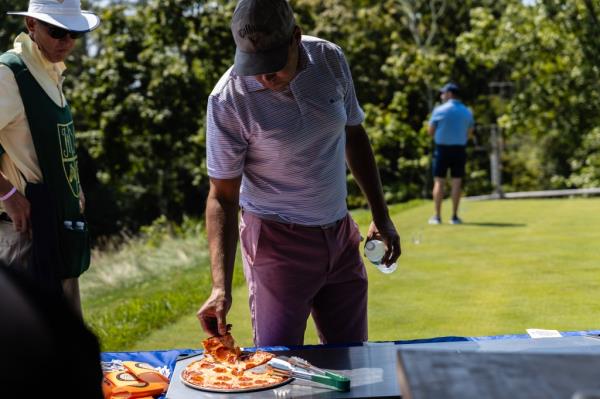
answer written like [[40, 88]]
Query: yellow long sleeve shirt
[[15, 135]]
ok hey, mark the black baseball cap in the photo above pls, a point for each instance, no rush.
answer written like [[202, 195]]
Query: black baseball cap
[[262, 30]]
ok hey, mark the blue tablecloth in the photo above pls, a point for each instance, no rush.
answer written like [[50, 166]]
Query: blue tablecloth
[[165, 359]]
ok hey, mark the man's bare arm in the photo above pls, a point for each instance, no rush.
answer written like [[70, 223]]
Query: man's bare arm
[[222, 206], [361, 162]]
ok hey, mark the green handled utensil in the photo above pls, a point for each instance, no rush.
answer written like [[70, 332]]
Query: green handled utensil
[[299, 368], [299, 362]]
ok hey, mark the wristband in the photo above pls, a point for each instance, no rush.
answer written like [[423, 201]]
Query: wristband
[[8, 194]]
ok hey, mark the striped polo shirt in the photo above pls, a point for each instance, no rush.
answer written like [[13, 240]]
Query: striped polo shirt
[[288, 146]]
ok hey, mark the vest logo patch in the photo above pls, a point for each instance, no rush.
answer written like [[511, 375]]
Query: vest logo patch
[[68, 153]]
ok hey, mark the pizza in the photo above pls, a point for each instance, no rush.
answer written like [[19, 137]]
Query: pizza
[[203, 374], [224, 367]]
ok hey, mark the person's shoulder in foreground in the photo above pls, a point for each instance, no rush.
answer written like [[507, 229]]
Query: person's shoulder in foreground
[[44, 345]]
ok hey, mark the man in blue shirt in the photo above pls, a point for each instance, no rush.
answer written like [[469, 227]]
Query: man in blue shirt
[[451, 124]]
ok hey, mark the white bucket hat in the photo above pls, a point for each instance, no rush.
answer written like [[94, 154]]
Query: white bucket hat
[[66, 14]]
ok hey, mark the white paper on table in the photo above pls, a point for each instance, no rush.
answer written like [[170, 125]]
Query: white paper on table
[[540, 333]]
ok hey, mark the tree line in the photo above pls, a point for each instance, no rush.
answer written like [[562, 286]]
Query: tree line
[[138, 86]]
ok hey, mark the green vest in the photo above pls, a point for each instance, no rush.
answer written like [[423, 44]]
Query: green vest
[[54, 141]]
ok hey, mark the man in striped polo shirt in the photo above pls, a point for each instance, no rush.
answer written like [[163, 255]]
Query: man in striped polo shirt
[[281, 124]]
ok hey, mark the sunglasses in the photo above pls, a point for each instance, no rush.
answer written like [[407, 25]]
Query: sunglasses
[[59, 33]]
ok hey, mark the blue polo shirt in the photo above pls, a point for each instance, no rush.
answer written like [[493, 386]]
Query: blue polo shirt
[[452, 121]]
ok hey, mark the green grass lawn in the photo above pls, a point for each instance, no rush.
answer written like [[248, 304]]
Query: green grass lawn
[[513, 265]]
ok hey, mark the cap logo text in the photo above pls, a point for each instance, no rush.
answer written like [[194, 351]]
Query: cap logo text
[[250, 29]]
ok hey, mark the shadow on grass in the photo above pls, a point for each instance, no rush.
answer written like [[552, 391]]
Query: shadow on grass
[[492, 224]]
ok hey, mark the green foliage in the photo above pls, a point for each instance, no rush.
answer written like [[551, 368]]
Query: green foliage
[[399, 151], [11, 25], [142, 104], [139, 96], [550, 55], [585, 164]]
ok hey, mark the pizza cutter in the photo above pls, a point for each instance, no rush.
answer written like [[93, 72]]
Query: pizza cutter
[[296, 367]]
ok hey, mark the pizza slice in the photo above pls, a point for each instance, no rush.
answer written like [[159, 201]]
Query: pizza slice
[[255, 359], [221, 349]]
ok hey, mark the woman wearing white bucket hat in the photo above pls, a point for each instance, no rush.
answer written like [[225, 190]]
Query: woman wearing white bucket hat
[[42, 226]]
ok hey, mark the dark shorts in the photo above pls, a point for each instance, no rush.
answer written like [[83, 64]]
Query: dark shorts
[[453, 157]]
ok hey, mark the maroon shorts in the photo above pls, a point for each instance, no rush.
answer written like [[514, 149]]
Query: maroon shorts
[[293, 271]]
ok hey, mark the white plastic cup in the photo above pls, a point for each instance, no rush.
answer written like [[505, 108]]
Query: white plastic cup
[[374, 251]]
